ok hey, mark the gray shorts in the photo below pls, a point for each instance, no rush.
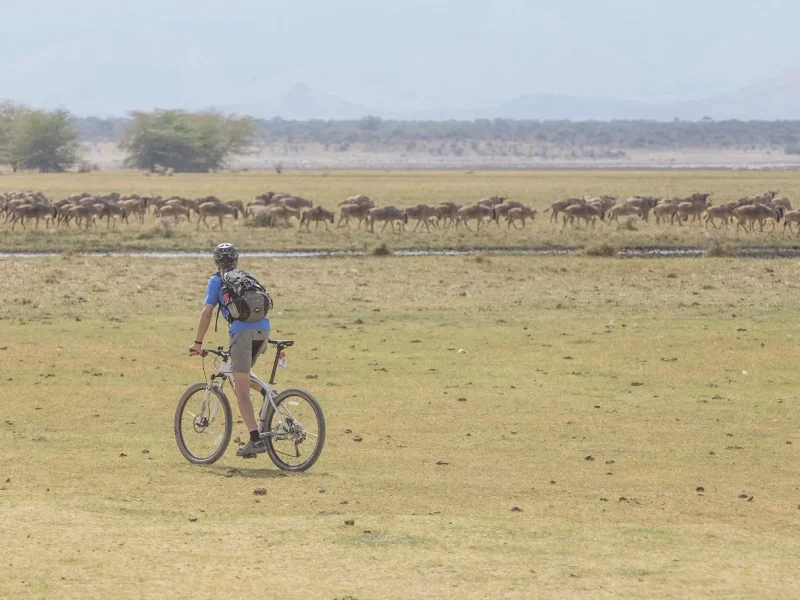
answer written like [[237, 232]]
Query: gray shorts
[[246, 347]]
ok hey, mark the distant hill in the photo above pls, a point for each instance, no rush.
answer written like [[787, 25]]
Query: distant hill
[[302, 103], [775, 99], [770, 100]]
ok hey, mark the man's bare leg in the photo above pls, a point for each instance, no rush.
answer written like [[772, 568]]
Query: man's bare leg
[[242, 383]]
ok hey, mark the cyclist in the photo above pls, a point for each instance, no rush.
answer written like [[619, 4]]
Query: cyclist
[[247, 342]]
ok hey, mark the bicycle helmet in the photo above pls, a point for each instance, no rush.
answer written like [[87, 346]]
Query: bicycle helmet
[[226, 257]]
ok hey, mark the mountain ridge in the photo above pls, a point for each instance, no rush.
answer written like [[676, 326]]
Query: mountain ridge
[[773, 99]]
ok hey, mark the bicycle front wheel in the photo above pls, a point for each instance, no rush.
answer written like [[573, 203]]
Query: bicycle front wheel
[[295, 434], [203, 424]]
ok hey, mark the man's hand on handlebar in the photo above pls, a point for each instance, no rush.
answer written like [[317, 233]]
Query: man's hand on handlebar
[[195, 349]]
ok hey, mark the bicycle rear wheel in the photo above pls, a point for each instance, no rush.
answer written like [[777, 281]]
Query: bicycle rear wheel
[[203, 424], [295, 434]]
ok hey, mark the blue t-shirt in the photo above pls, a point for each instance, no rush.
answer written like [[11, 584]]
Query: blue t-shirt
[[214, 297]]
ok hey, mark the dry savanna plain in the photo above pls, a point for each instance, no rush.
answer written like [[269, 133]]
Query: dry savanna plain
[[403, 189], [617, 428]]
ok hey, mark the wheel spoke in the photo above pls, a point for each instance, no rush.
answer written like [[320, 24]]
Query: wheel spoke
[[201, 434], [286, 427]]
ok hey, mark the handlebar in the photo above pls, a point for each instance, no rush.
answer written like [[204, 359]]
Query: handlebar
[[219, 352]]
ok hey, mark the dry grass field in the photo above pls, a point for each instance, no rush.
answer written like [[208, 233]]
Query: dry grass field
[[640, 415], [403, 189]]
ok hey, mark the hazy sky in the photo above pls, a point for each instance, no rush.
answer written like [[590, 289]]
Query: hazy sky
[[106, 56]]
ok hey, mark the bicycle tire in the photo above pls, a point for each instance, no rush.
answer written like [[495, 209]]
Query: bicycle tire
[[226, 406], [271, 452]]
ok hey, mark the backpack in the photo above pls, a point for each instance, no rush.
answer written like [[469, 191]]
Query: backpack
[[243, 297]]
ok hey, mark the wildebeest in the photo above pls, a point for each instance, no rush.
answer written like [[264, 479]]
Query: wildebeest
[[520, 213], [423, 214], [558, 207], [213, 209], [387, 214], [587, 212], [356, 211], [448, 212], [477, 212], [316, 214]]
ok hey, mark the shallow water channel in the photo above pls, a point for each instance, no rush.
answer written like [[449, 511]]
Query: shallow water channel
[[687, 252]]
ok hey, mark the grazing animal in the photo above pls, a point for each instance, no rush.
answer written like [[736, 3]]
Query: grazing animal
[[587, 212], [520, 214], [448, 211], [296, 202], [477, 212], [501, 210], [214, 209], [625, 210], [493, 201], [133, 206], [644, 203], [722, 212], [110, 211], [86, 213], [792, 216], [423, 214], [691, 207], [33, 211], [356, 211], [387, 214], [359, 199], [175, 210], [560, 206], [750, 213], [280, 211], [666, 208], [783, 203], [316, 214]]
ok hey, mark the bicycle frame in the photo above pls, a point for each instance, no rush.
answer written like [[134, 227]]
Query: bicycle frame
[[225, 372]]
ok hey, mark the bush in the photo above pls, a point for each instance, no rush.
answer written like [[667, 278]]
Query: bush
[[382, 250], [718, 248], [603, 249]]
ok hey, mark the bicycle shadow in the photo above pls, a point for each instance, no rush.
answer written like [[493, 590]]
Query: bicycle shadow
[[248, 472]]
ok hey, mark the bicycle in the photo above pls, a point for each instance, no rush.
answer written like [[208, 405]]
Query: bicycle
[[285, 418]]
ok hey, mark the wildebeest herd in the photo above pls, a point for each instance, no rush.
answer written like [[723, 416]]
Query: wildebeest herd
[[746, 211], [276, 209]]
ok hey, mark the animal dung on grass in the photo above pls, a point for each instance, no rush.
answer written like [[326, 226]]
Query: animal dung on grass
[[260, 492], [637, 383]]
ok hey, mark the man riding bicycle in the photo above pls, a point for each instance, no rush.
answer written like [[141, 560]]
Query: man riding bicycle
[[248, 340]]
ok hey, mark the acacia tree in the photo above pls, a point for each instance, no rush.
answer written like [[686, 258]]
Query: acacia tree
[[38, 139], [184, 141], [9, 113]]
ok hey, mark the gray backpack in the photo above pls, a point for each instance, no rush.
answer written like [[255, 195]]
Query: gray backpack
[[244, 298]]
